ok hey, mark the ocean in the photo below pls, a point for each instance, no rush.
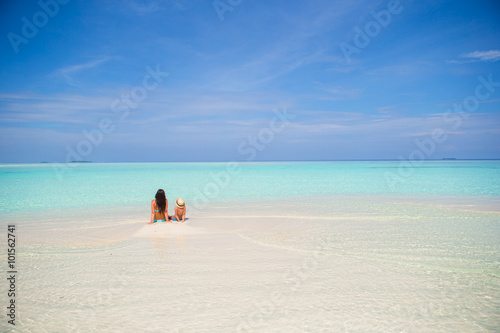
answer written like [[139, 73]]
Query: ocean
[[343, 246]]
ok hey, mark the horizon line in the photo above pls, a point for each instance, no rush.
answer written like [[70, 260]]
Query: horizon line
[[447, 159]]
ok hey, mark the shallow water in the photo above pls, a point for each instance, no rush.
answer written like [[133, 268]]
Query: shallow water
[[350, 259], [91, 186]]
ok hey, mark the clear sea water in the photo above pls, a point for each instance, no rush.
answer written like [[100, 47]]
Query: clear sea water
[[86, 186], [372, 246]]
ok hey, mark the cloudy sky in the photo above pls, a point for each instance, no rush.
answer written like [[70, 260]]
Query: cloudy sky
[[179, 80]]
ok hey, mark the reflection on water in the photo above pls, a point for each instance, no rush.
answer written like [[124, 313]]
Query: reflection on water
[[163, 245]]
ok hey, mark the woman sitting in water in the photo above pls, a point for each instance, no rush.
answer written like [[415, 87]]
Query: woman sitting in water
[[180, 210], [159, 208]]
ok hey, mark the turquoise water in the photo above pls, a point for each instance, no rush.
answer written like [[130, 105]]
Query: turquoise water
[[36, 187]]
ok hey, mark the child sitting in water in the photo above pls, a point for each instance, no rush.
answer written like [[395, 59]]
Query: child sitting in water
[[180, 210]]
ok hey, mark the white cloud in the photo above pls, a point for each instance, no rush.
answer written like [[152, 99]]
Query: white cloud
[[492, 55], [60, 109], [298, 48], [68, 72], [476, 56], [339, 93], [141, 8]]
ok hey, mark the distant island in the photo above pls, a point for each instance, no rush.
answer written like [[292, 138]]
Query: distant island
[[449, 158], [71, 162]]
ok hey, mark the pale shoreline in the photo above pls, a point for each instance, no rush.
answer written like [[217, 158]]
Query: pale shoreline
[[189, 284], [386, 265], [243, 213]]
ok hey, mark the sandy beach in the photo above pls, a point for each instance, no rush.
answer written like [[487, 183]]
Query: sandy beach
[[355, 265]]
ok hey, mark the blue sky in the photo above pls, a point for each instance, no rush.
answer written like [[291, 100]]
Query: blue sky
[[231, 68]]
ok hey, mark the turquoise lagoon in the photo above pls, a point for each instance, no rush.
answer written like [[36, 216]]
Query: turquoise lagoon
[[87, 186]]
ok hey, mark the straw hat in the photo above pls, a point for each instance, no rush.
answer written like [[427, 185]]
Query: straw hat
[[180, 203]]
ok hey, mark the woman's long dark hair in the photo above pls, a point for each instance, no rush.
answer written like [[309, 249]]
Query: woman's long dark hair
[[161, 200]]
